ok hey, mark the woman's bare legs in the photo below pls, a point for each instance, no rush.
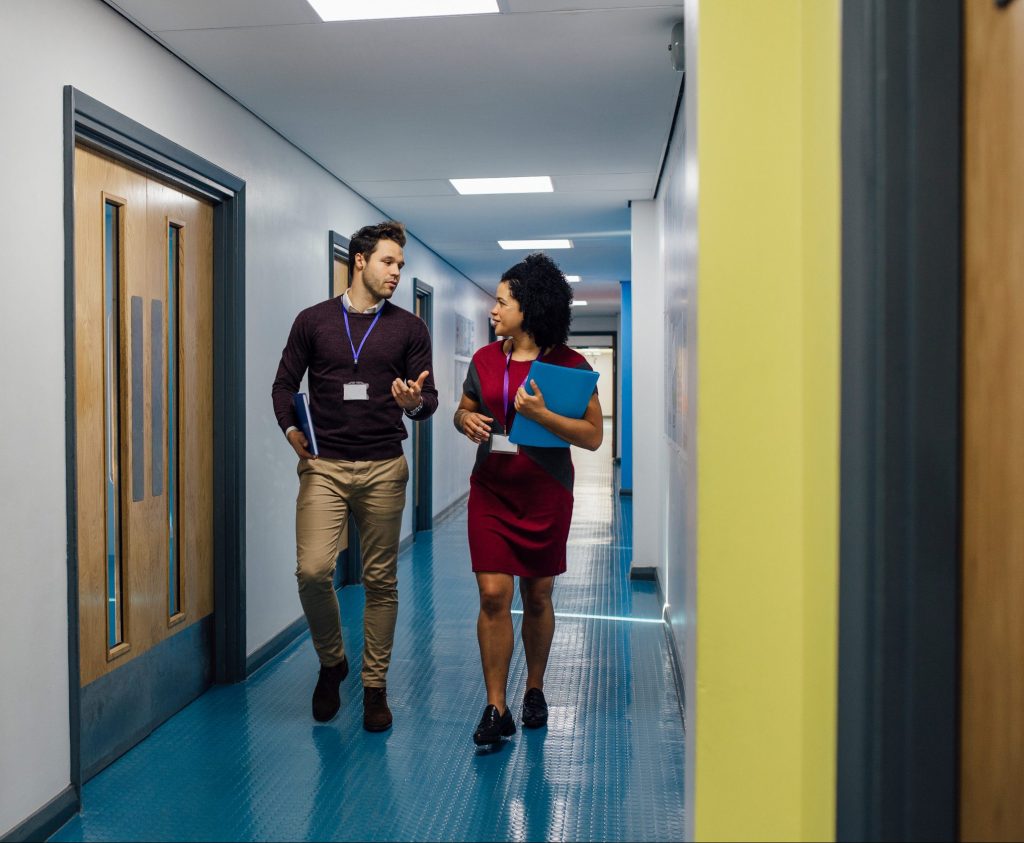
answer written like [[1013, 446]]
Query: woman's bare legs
[[494, 633], [538, 626]]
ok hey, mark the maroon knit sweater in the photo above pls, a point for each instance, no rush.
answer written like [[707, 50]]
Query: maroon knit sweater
[[399, 346]]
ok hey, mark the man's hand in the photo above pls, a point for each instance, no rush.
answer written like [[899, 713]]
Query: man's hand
[[531, 406], [297, 439], [409, 394]]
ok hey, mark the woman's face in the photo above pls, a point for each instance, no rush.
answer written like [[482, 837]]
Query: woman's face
[[506, 315]]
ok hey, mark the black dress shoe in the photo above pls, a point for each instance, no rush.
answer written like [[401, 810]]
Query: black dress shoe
[[493, 727], [326, 699], [376, 714], [535, 709]]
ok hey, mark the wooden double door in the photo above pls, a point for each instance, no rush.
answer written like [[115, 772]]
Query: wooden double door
[[992, 680], [143, 374]]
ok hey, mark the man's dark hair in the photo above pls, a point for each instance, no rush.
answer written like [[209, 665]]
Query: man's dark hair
[[364, 242], [544, 296]]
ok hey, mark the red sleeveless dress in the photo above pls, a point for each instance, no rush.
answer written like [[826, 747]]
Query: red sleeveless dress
[[520, 505]]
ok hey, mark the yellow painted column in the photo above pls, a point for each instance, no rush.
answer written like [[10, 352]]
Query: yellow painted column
[[768, 334]]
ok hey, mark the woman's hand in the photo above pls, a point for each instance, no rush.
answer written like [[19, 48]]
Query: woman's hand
[[586, 432], [476, 426], [531, 406]]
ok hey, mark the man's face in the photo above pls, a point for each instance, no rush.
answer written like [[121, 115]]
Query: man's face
[[383, 268]]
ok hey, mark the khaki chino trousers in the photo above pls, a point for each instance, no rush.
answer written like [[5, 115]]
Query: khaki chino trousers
[[373, 493]]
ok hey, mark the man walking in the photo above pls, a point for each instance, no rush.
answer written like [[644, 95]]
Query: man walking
[[368, 361]]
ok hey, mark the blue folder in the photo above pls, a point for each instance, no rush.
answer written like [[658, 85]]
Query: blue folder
[[305, 417], [566, 392]]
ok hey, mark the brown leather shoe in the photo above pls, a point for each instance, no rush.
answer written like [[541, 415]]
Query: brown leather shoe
[[326, 696], [376, 714]]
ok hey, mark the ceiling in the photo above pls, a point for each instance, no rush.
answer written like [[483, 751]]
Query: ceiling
[[581, 90]]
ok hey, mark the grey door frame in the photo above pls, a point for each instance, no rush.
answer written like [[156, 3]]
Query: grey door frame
[[90, 123], [337, 247], [423, 458], [900, 499]]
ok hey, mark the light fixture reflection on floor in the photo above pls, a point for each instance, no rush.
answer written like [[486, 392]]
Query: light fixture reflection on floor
[[598, 617]]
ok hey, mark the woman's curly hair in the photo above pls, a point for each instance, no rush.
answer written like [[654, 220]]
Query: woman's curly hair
[[544, 296]]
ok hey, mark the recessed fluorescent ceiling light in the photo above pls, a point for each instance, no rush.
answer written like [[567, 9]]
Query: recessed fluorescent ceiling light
[[572, 279], [332, 10], [535, 244], [524, 184], [579, 303]]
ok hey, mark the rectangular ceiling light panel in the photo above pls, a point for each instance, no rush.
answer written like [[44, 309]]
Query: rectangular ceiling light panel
[[572, 279], [579, 303], [535, 244], [524, 184], [334, 10]]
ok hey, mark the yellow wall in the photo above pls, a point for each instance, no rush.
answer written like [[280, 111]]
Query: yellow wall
[[768, 333]]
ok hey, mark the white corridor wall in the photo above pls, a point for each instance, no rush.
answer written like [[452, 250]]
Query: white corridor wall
[[291, 203]]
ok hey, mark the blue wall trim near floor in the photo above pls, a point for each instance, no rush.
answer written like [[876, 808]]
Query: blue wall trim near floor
[[47, 819], [275, 645]]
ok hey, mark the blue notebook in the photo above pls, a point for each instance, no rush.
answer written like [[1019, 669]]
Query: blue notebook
[[566, 392], [305, 417]]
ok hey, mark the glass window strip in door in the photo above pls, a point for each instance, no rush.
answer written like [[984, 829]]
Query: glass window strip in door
[[111, 412], [173, 288]]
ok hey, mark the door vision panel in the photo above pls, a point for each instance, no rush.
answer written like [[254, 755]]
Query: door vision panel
[[144, 440]]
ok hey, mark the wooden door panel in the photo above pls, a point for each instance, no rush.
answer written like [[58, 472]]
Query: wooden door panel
[[195, 418], [148, 209], [992, 695], [127, 188], [340, 276]]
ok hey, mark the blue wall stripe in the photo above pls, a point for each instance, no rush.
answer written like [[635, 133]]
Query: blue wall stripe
[[626, 455]]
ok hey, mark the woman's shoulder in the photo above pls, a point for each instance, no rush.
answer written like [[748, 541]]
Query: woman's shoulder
[[491, 351]]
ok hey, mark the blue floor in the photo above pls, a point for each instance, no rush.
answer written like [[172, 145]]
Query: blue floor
[[247, 762]]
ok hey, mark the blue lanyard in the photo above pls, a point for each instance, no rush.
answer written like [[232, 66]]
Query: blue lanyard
[[348, 330]]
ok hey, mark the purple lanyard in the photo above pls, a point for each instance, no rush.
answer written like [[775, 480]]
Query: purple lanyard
[[348, 330], [504, 390]]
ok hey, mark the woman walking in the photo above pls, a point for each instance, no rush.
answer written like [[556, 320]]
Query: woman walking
[[520, 499]]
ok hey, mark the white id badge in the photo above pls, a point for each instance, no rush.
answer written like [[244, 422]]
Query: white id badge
[[357, 391], [501, 445]]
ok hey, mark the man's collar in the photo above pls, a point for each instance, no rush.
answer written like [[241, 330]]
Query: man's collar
[[347, 304]]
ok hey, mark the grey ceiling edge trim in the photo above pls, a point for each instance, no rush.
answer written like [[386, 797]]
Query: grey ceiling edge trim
[[156, 38]]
